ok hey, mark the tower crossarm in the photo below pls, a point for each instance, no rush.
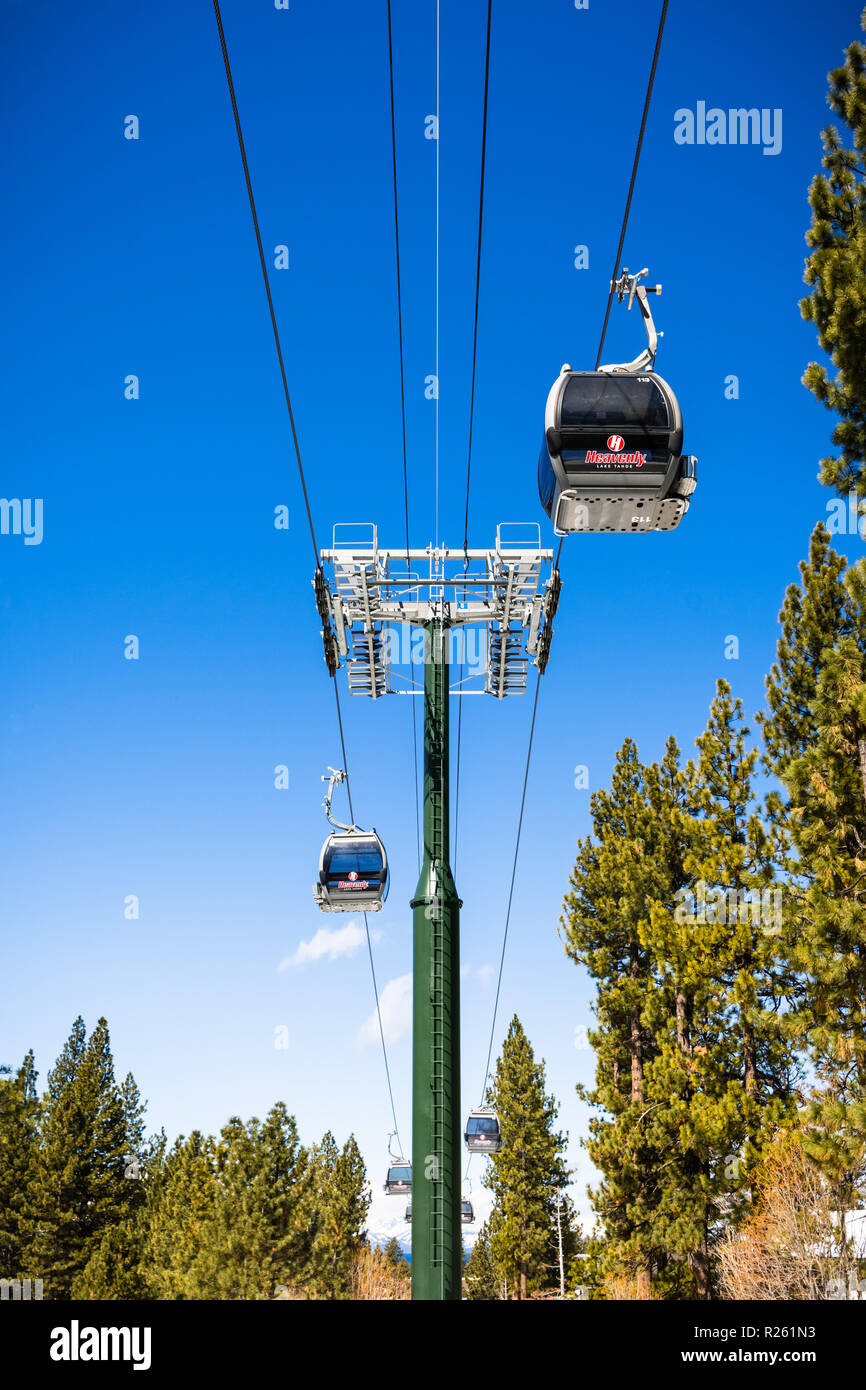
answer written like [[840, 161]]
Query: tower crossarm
[[374, 590]]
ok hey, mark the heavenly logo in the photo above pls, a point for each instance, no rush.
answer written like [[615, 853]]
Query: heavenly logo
[[740, 126], [76, 1343], [353, 881], [22, 516], [616, 444]]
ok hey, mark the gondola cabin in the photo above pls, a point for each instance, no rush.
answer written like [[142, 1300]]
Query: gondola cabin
[[353, 873], [610, 458], [482, 1133], [398, 1183], [407, 1215]]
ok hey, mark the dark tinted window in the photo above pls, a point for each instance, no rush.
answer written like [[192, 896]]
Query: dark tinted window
[[400, 1174], [613, 400], [546, 479], [354, 856], [480, 1124]]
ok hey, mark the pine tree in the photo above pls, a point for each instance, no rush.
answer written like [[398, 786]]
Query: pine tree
[[721, 1078], [287, 1180], [590, 1272], [816, 614], [667, 915], [340, 1202], [59, 1192], [816, 745], [19, 1140], [628, 863], [115, 1269], [393, 1251], [137, 1147], [480, 1280], [179, 1220], [80, 1189], [230, 1262], [836, 273], [229, 1218], [528, 1170]]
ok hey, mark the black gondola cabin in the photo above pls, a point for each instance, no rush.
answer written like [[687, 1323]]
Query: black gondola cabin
[[610, 458], [482, 1133], [353, 873], [399, 1180]]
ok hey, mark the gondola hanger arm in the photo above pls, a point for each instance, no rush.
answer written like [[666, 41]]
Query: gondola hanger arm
[[630, 285], [336, 775]]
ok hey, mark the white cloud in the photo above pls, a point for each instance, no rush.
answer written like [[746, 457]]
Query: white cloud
[[395, 1006], [344, 941], [482, 974]]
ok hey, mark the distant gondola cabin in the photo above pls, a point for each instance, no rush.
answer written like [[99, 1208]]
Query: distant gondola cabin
[[482, 1132], [399, 1180], [353, 873]]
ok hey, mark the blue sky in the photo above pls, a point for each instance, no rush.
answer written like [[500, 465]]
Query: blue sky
[[156, 777]]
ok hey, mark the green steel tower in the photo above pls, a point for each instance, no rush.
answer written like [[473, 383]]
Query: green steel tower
[[437, 1259], [376, 598]]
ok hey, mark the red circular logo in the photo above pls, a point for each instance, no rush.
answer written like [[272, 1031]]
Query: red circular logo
[[616, 442], [352, 876]]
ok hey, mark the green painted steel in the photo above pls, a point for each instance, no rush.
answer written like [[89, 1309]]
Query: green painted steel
[[437, 1258]]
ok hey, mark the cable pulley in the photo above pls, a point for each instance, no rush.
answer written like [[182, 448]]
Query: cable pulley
[[323, 598], [551, 597], [544, 648], [330, 646]]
